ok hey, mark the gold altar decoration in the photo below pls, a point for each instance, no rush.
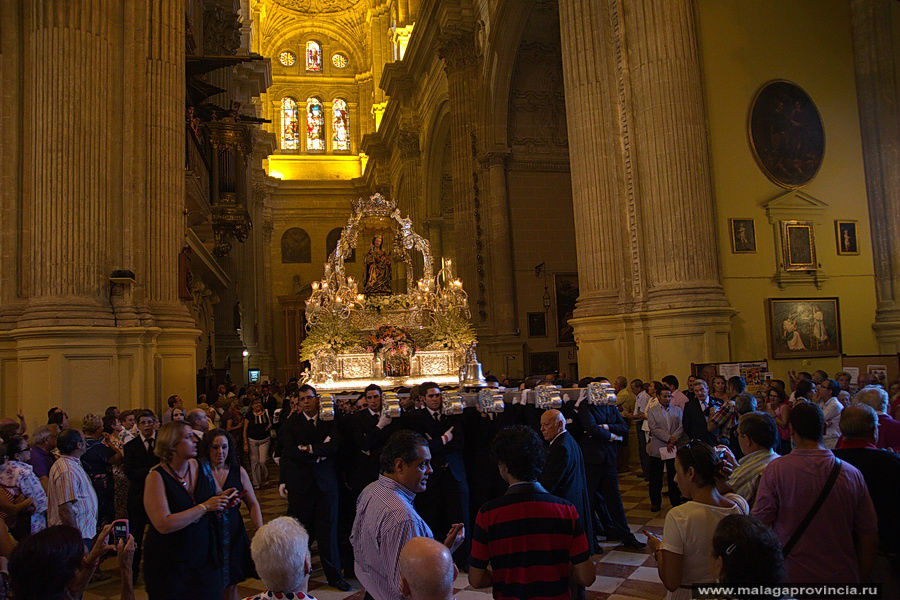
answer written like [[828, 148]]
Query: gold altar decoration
[[388, 337]]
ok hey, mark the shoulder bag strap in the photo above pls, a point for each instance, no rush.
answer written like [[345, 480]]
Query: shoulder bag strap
[[832, 477]]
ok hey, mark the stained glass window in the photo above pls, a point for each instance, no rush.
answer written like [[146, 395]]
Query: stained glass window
[[313, 56], [290, 124], [340, 125], [339, 60], [287, 58], [315, 124]]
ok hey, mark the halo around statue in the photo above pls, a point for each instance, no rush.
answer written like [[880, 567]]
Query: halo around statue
[[359, 336]]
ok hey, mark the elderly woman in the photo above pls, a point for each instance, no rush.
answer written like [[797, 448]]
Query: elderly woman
[[281, 554], [181, 559], [18, 479]]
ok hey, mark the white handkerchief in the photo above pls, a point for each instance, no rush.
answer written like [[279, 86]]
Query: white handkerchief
[[666, 454], [327, 439]]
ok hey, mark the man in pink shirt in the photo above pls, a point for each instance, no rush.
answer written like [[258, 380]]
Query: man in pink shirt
[[678, 397], [841, 541]]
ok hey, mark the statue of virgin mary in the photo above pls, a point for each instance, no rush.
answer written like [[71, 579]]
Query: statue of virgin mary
[[378, 269]]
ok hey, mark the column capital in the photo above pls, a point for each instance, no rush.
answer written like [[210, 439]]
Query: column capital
[[408, 143], [458, 51]]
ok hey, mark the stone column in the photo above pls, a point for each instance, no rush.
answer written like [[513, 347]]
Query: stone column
[[498, 240], [165, 158], [411, 172], [461, 64], [672, 156], [69, 49], [878, 95], [603, 189], [640, 180]]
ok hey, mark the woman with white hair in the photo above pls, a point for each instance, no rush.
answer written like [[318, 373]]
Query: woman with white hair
[[280, 551]]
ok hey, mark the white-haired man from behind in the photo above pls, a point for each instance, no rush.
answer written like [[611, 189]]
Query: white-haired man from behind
[[280, 551], [427, 570]]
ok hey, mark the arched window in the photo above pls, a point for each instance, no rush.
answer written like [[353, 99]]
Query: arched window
[[340, 125], [315, 124], [313, 56], [295, 247], [290, 124], [331, 243]]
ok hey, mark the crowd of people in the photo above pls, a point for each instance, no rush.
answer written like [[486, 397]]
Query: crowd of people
[[791, 483]]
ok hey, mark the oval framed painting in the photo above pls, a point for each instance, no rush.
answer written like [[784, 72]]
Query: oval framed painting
[[786, 134]]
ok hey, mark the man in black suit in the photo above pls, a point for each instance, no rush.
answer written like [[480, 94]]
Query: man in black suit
[[309, 446], [696, 413], [564, 474], [446, 500], [139, 459], [603, 427]]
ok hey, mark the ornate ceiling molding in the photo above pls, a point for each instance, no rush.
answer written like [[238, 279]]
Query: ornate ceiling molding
[[315, 7]]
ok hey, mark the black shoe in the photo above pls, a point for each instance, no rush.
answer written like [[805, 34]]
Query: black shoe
[[340, 584], [655, 508], [634, 543]]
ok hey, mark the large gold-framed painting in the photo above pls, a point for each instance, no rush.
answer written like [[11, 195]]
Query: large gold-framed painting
[[786, 134], [804, 327]]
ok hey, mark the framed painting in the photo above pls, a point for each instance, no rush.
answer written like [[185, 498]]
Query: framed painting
[[804, 327], [798, 246], [847, 241], [543, 363], [743, 236], [566, 288], [537, 324], [786, 134]]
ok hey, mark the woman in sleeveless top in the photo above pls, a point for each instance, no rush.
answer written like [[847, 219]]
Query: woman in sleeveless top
[[181, 561], [683, 553], [220, 470]]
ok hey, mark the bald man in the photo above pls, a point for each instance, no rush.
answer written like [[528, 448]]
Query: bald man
[[427, 570], [564, 474]]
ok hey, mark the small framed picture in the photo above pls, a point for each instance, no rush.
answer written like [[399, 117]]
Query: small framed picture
[[847, 241], [743, 236], [798, 246], [537, 324]]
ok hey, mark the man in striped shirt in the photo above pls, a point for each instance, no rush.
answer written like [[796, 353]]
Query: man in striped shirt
[[72, 499], [386, 518], [531, 539]]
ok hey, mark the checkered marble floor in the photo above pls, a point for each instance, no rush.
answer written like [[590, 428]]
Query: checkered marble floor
[[622, 574]]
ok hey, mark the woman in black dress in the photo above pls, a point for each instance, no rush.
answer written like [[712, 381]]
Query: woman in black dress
[[181, 560], [220, 470]]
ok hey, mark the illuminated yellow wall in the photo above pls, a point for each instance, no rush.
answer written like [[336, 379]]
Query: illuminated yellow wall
[[743, 45]]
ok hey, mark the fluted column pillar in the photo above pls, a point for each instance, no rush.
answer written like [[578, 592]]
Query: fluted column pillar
[[461, 64], [640, 179], [672, 155], [67, 161], [165, 158], [878, 96], [499, 244], [411, 172]]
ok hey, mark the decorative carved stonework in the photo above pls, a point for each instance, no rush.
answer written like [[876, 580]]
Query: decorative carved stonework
[[221, 30], [318, 6], [408, 143], [458, 53]]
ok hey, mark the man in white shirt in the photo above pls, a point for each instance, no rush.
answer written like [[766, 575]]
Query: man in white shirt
[[825, 396], [641, 400], [72, 499]]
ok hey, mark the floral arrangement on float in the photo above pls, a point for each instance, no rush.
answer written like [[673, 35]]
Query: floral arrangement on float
[[395, 346]]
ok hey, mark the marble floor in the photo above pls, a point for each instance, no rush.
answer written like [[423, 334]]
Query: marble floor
[[621, 573]]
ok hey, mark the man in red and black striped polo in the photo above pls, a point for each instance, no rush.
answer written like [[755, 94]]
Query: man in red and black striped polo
[[532, 540]]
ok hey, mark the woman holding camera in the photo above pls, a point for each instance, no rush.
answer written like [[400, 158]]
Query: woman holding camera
[[683, 553], [220, 470], [181, 559]]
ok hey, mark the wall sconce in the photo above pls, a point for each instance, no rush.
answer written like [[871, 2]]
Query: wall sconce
[[245, 353]]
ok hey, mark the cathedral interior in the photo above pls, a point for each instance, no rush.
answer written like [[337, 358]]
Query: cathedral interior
[[626, 187]]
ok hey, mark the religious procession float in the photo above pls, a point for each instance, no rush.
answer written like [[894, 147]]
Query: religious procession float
[[362, 331]]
